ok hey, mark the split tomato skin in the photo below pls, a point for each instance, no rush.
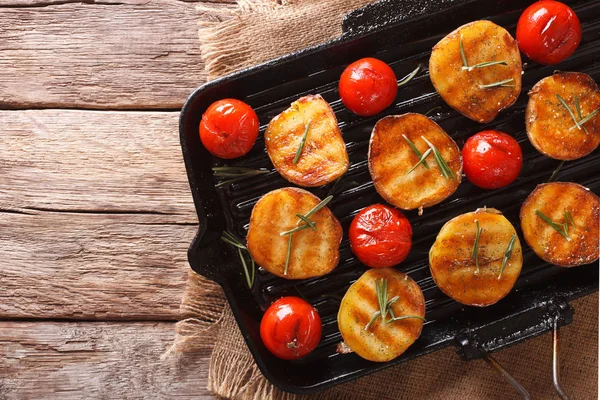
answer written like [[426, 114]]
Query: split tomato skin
[[380, 236], [548, 32], [229, 128], [291, 328], [368, 86], [492, 159]]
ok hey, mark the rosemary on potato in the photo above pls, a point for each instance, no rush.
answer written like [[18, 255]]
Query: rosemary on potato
[[235, 173], [483, 64], [416, 151], [504, 83], [562, 228], [307, 223], [421, 161], [579, 124], [508, 253], [232, 240], [302, 143], [385, 305], [475, 251], [444, 168]]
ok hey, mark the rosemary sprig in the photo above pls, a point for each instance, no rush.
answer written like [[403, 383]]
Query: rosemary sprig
[[566, 106], [232, 240], [484, 64], [579, 124], [563, 228], [421, 161], [508, 253], [236, 173], [462, 53], [556, 171], [409, 77], [475, 251], [503, 83], [302, 143], [444, 168], [385, 305], [415, 150], [307, 224], [589, 116]]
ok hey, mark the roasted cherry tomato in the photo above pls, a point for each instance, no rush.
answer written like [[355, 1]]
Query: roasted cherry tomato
[[229, 128], [380, 236], [368, 86], [492, 159], [291, 328], [548, 32]]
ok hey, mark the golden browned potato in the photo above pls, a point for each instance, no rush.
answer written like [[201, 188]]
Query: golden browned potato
[[478, 91], [312, 253], [574, 211], [550, 126], [391, 157], [483, 276], [376, 339], [323, 157]]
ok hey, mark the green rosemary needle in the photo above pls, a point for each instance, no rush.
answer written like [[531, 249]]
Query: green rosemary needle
[[415, 150], [484, 64], [385, 305], [232, 240], [235, 173], [475, 251], [288, 254], [421, 161], [462, 53], [582, 120], [563, 228], [556, 171], [444, 168], [409, 77], [302, 143], [566, 106], [503, 83], [508, 253]]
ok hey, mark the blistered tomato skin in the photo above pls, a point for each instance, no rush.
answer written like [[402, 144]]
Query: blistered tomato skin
[[492, 159], [368, 86], [291, 328], [380, 236], [229, 128], [548, 32]]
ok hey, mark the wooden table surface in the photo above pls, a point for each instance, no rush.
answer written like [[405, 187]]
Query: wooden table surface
[[95, 209]]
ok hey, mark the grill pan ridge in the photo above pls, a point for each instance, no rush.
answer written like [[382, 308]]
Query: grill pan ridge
[[542, 291]]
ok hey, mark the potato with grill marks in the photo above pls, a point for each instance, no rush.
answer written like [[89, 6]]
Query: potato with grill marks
[[550, 125], [491, 80], [309, 125], [313, 252], [476, 258], [391, 158], [373, 338], [560, 223]]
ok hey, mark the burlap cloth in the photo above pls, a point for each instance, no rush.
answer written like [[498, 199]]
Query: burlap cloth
[[260, 30]]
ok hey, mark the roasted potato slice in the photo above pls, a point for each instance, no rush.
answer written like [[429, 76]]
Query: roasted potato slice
[[313, 253], [464, 89], [570, 207], [454, 266], [391, 157], [378, 340], [323, 158], [549, 124]]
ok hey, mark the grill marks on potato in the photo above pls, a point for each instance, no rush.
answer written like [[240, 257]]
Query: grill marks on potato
[[313, 253], [381, 342], [324, 157], [549, 124], [553, 199], [453, 268], [391, 157], [482, 41]]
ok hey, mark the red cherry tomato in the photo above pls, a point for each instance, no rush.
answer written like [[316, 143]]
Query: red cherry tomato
[[291, 328], [229, 128], [548, 32], [380, 236], [368, 86], [492, 159]]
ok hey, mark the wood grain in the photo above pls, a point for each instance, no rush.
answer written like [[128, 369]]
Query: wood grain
[[96, 361], [100, 54]]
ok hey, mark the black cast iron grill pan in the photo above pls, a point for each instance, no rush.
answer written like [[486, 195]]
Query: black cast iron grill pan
[[539, 299]]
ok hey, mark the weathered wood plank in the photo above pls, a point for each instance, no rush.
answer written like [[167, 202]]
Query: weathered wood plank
[[100, 54], [96, 361], [93, 161], [92, 266]]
